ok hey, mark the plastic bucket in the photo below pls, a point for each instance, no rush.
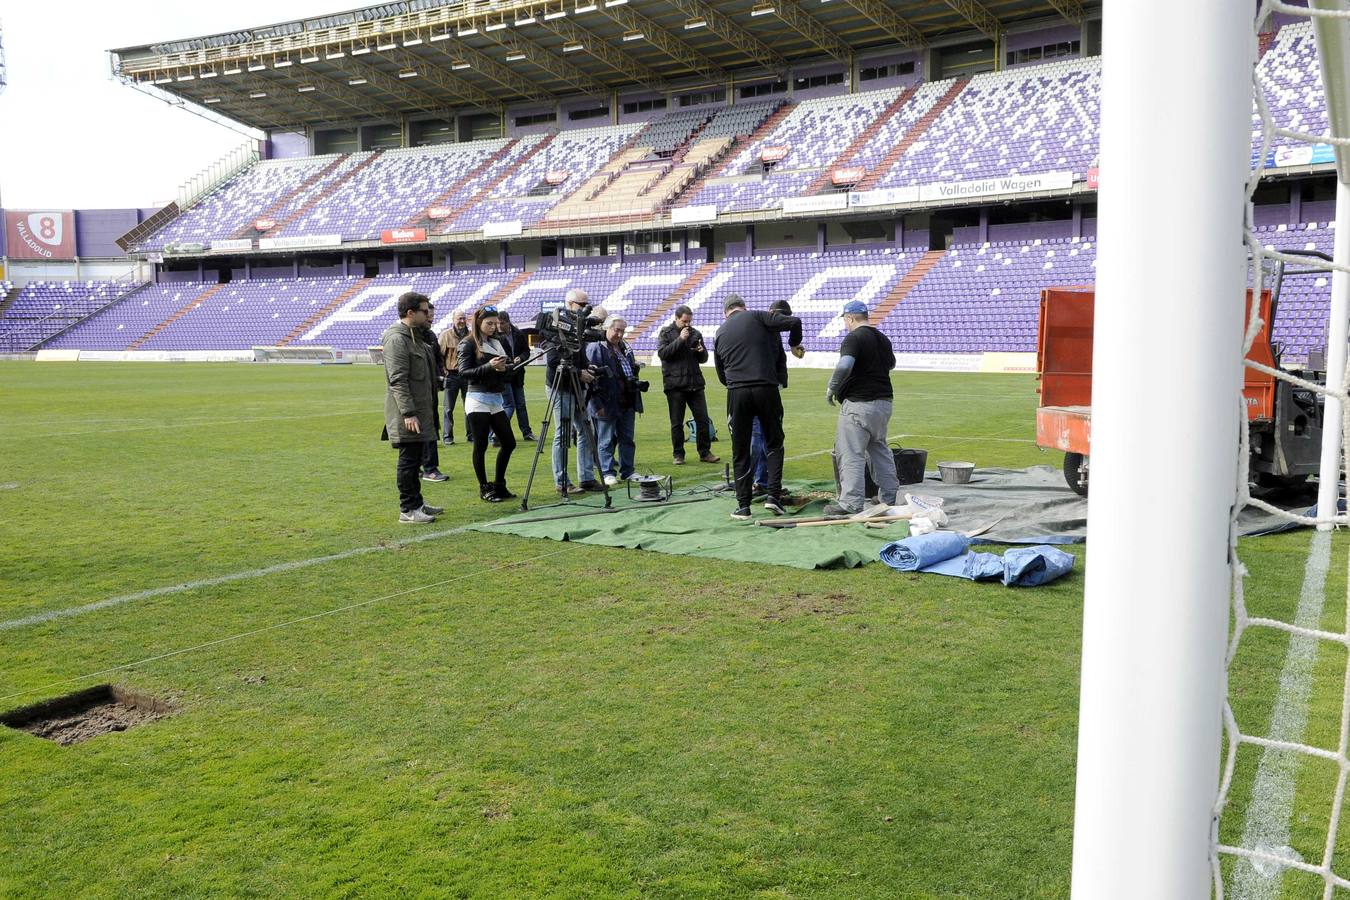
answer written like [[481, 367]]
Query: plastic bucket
[[910, 464]]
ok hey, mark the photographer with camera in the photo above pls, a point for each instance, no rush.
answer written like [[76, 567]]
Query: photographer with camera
[[568, 414], [485, 366], [614, 400], [681, 351]]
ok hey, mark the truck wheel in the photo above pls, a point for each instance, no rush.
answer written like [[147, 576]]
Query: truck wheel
[[1076, 472]]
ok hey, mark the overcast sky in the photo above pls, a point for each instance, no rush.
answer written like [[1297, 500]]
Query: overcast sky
[[72, 137]]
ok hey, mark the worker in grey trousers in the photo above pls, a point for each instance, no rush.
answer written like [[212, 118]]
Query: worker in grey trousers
[[861, 382]]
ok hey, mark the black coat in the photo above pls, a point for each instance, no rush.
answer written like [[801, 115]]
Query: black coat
[[474, 369], [748, 348], [680, 360], [517, 347]]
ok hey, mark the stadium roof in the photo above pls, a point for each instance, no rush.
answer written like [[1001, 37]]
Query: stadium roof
[[432, 58]]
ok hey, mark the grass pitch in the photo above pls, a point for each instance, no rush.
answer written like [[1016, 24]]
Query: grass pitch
[[491, 716]]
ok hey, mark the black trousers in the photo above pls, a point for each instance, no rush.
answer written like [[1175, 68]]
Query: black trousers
[[697, 402], [484, 424], [744, 405], [431, 456], [408, 474], [455, 389]]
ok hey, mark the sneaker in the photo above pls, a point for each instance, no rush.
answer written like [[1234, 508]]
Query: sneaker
[[834, 509], [773, 505], [435, 475], [415, 517], [528, 437], [592, 486], [742, 513], [448, 442], [432, 510], [679, 460], [709, 458], [611, 480]]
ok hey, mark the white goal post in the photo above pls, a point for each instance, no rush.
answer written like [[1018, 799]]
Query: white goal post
[[1162, 568]]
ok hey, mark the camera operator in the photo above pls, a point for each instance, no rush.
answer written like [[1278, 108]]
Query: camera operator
[[614, 400], [680, 349], [454, 385], [565, 412], [484, 364]]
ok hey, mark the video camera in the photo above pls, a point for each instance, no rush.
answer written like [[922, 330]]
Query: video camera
[[568, 329]]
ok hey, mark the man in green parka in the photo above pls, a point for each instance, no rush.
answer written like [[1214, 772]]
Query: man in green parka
[[410, 402]]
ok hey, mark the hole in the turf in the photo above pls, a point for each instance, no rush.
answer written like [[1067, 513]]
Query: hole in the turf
[[86, 714]]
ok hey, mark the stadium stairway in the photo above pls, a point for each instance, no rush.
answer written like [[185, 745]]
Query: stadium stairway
[[869, 181], [8, 300], [424, 220], [359, 286], [765, 129], [507, 289], [685, 288], [902, 287], [864, 137], [319, 195], [248, 231], [187, 308], [506, 172]]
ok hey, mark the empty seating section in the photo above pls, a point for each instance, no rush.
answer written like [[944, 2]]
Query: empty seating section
[[391, 191], [1301, 319], [898, 125], [1292, 80], [816, 131], [1016, 122], [237, 203], [41, 309], [668, 133], [123, 323], [985, 298]]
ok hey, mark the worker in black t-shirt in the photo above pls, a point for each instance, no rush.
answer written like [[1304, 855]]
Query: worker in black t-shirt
[[861, 382]]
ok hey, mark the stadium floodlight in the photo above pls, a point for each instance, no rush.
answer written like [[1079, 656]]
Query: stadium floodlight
[[387, 45], [634, 35], [589, 7], [412, 42], [528, 19], [609, 3], [256, 67], [442, 36], [763, 9], [495, 26], [304, 59], [188, 77], [465, 32], [360, 51], [696, 22], [515, 56], [556, 14], [459, 64], [211, 100], [304, 88], [209, 73], [355, 81], [409, 73], [573, 46], [236, 70], [335, 54], [282, 64], [164, 79], [257, 95]]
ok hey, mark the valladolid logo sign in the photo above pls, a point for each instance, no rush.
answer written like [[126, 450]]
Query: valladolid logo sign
[[40, 234]]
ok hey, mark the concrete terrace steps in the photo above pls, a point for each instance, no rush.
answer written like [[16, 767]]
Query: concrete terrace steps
[[905, 285], [765, 129], [8, 300], [506, 290], [682, 290], [248, 231], [324, 313], [501, 176], [863, 139], [323, 194], [187, 308], [425, 221], [921, 126]]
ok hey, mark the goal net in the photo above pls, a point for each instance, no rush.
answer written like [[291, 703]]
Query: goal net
[[1182, 790]]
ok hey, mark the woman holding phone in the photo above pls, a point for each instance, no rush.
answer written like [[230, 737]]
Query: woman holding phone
[[484, 365]]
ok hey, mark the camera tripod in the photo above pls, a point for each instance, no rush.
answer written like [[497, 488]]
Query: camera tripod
[[565, 378]]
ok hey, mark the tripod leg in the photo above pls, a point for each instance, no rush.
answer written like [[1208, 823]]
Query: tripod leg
[[540, 444]]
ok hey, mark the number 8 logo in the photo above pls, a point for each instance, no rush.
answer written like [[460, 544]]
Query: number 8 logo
[[47, 228]]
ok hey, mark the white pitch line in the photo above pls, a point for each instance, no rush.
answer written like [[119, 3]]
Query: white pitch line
[[190, 423], [1272, 803], [39, 618]]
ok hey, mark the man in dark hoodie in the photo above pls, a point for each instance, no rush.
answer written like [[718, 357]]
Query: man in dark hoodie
[[747, 350]]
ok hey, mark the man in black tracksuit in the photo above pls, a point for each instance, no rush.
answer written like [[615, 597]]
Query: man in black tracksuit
[[746, 350], [680, 348]]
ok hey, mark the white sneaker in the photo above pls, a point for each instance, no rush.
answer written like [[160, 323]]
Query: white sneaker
[[611, 480], [416, 517]]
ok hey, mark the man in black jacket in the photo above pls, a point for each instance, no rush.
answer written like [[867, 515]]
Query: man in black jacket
[[747, 349], [680, 347], [519, 350]]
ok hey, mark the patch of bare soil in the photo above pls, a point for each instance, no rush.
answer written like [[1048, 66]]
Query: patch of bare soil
[[86, 714]]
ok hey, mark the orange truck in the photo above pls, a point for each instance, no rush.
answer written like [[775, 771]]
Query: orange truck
[[1285, 422]]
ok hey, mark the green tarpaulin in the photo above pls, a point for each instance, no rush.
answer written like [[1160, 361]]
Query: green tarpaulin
[[705, 528]]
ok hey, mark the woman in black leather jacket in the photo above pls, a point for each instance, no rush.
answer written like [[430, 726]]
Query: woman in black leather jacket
[[485, 367]]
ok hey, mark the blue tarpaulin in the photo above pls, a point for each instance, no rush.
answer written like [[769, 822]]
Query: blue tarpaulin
[[947, 553]]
